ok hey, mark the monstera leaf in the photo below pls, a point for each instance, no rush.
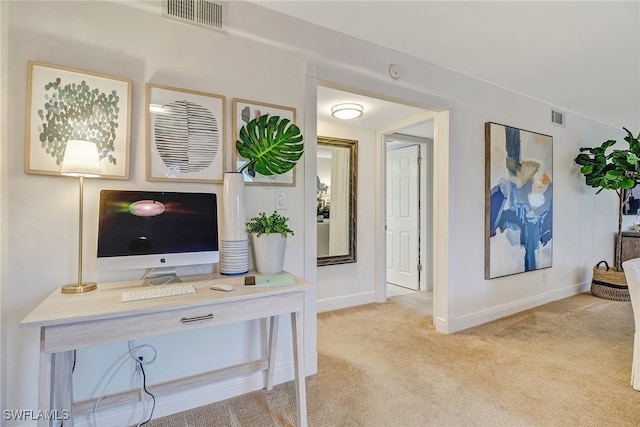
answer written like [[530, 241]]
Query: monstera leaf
[[272, 145]]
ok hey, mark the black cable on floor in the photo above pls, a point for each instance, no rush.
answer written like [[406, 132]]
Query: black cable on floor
[[144, 386]]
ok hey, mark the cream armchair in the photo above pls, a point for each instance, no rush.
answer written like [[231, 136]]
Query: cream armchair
[[632, 274]]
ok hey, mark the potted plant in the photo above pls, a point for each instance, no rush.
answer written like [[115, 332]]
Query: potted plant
[[272, 146], [269, 237], [322, 210], [619, 171]]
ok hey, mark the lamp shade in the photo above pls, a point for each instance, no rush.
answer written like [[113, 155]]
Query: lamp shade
[[81, 158]]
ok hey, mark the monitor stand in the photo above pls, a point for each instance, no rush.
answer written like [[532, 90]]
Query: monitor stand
[[161, 276]]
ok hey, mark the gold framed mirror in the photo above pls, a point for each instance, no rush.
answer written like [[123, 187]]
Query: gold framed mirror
[[337, 188]]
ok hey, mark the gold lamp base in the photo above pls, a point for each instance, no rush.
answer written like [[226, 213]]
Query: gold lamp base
[[79, 289]]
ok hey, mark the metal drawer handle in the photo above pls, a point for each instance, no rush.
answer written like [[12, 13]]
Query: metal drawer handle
[[197, 318]]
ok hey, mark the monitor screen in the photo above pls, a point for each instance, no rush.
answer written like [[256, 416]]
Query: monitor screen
[[150, 229]]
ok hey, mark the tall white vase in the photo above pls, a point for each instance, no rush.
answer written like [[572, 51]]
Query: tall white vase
[[234, 240]]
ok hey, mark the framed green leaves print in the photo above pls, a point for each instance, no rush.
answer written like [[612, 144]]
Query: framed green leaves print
[[65, 104]]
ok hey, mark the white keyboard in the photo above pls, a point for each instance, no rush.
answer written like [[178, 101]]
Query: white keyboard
[[151, 292]]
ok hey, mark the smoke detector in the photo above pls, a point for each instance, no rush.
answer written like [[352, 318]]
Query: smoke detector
[[394, 71]]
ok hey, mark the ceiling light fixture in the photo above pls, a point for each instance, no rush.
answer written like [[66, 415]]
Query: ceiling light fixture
[[347, 111]]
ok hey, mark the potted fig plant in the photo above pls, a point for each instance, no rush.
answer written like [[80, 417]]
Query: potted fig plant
[[269, 238], [618, 170], [272, 146]]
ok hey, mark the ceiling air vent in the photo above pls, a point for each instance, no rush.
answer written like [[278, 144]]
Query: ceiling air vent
[[203, 13], [557, 118]]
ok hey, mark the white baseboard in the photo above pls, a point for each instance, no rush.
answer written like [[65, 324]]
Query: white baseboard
[[185, 400], [441, 325], [479, 318], [338, 303], [467, 321]]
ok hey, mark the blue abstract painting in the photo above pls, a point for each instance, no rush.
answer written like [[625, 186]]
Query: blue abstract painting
[[519, 201]]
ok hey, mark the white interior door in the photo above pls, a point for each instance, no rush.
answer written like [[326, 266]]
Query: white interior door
[[403, 217]]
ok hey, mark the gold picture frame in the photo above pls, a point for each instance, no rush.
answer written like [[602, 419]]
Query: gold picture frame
[[65, 103], [185, 134]]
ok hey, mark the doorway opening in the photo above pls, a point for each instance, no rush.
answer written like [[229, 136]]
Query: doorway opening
[[385, 124]]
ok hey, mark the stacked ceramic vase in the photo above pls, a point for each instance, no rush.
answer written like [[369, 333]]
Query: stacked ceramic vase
[[234, 240]]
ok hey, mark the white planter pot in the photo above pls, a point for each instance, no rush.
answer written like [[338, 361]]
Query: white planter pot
[[268, 252]]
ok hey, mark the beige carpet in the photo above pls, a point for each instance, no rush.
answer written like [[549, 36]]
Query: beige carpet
[[567, 363]]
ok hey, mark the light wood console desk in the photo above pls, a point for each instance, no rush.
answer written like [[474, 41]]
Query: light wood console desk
[[72, 321]]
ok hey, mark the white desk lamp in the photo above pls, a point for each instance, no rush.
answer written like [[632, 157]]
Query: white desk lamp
[[81, 159]]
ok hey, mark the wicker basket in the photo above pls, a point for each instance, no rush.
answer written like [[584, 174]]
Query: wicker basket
[[609, 284]]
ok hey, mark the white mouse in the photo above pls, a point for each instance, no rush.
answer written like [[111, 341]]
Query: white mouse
[[223, 287]]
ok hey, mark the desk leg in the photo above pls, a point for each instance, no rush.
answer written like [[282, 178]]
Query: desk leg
[[63, 394], [45, 398], [273, 343], [55, 396], [297, 332]]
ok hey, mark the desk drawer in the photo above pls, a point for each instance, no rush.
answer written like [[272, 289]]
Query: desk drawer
[[97, 332]]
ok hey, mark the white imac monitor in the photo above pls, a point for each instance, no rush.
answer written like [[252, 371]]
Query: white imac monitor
[[156, 230]]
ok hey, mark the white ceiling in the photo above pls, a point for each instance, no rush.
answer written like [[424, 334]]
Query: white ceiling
[[377, 113], [581, 56]]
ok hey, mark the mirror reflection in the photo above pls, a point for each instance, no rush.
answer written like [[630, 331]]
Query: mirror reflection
[[337, 164], [632, 201]]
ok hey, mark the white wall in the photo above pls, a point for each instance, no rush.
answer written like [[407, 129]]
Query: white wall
[[346, 285], [114, 39], [463, 298], [577, 242], [324, 171], [266, 57]]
